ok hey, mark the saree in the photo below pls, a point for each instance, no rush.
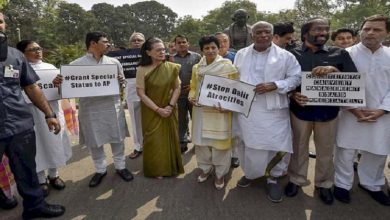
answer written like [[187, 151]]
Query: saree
[[161, 154]]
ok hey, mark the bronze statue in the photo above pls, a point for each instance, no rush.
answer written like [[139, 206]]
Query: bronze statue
[[239, 32]]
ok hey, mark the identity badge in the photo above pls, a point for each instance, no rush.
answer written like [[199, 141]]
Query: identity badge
[[9, 71]]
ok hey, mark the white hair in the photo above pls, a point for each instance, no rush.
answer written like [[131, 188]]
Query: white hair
[[263, 23]]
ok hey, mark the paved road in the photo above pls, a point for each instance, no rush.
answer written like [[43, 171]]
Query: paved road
[[183, 198]]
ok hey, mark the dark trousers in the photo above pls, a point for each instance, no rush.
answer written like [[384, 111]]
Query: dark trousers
[[184, 107], [21, 150]]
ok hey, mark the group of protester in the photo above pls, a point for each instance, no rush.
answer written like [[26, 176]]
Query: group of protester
[[162, 94]]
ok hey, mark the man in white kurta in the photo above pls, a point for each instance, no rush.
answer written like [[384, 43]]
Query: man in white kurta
[[266, 131], [367, 129], [102, 118], [53, 151]]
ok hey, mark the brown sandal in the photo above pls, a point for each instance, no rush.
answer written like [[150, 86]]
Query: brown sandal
[[57, 183], [135, 154]]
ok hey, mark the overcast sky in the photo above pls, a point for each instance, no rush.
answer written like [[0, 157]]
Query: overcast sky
[[196, 8]]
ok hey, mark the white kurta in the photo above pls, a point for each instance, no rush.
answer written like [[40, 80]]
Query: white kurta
[[101, 119], [373, 137], [53, 151], [268, 125]]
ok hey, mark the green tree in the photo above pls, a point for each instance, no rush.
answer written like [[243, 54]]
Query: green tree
[[353, 12], [190, 27], [64, 54], [72, 23], [154, 19]]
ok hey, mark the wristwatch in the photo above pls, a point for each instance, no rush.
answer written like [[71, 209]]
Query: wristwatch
[[52, 115]]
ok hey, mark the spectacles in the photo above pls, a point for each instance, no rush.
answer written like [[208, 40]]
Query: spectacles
[[137, 40], [34, 49]]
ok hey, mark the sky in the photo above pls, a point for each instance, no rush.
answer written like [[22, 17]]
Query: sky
[[195, 8]]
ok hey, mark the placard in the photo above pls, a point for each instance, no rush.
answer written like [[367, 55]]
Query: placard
[[46, 84], [334, 89], [232, 95], [89, 80]]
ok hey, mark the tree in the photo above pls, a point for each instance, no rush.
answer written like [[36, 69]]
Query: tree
[[64, 54], [154, 19], [353, 12], [72, 23], [192, 28]]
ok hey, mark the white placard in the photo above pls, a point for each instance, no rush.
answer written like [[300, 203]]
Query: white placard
[[45, 83], [231, 94], [89, 80], [334, 89]]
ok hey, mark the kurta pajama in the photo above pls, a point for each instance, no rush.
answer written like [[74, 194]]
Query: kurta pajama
[[211, 129], [266, 130], [102, 120], [371, 138]]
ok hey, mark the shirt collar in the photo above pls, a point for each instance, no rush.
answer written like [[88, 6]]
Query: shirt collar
[[177, 54]]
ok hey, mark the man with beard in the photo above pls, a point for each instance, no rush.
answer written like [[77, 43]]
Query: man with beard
[[367, 129], [239, 32], [314, 56]]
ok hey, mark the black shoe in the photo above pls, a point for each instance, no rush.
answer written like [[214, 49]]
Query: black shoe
[[183, 149], [125, 174], [378, 196], [47, 211], [7, 203], [57, 183], [326, 195], [291, 189], [244, 182], [312, 155], [235, 162], [341, 194], [96, 179]]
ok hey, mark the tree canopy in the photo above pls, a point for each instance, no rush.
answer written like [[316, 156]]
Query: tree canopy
[[57, 25]]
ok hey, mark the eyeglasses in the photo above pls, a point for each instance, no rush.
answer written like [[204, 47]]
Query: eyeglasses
[[34, 49], [137, 40]]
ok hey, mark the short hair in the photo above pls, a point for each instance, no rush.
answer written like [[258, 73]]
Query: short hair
[[283, 28], [180, 36], [22, 45], [208, 40], [306, 26], [384, 18], [148, 46], [135, 34], [221, 33], [339, 31], [262, 23], [93, 36]]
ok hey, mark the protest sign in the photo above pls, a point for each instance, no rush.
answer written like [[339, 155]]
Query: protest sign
[[89, 80], [334, 89], [45, 83], [231, 94]]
